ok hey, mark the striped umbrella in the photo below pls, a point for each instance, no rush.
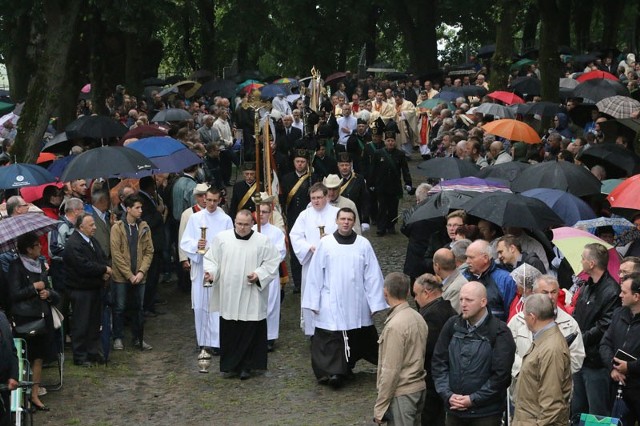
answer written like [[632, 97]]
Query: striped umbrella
[[618, 106], [13, 227], [469, 184]]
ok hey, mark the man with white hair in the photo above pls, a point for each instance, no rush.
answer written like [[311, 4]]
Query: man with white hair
[[498, 154], [207, 132], [332, 182]]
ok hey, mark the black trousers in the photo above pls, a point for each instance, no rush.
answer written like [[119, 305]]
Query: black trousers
[[433, 413], [243, 345], [296, 268], [227, 158], [153, 276], [85, 327], [5, 408], [387, 211]]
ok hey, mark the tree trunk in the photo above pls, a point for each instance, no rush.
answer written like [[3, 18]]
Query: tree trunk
[[548, 60], [530, 28], [563, 29], [582, 15], [612, 17], [207, 13], [62, 22], [19, 56], [501, 60], [186, 36], [371, 30], [420, 35]]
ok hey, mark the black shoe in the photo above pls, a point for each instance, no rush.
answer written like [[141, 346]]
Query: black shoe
[[323, 380], [270, 345], [83, 363], [335, 381], [230, 374], [215, 351], [96, 358], [245, 374]]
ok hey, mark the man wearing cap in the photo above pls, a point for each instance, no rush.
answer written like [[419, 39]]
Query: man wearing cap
[[199, 192], [242, 197], [333, 182], [294, 199], [353, 186], [357, 142], [389, 165], [194, 245], [407, 123]]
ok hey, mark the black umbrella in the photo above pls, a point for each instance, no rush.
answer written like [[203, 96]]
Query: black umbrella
[[506, 209], [470, 90], [95, 127], [581, 113], [59, 143], [543, 109], [438, 205], [486, 51], [448, 168], [618, 161], [173, 79], [153, 81], [106, 161], [217, 86], [585, 58], [396, 76], [201, 75], [506, 172], [249, 75], [527, 86], [597, 89], [558, 175], [170, 115]]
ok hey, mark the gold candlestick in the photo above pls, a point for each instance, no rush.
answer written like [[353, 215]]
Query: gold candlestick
[[321, 228], [203, 236]]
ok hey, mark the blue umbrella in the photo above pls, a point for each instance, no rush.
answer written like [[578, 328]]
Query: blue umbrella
[[20, 175], [271, 91], [624, 231], [168, 154], [447, 96], [57, 167], [569, 207]]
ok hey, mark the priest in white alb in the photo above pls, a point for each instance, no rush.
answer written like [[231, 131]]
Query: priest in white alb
[[344, 289], [316, 221], [241, 265], [215, 220]]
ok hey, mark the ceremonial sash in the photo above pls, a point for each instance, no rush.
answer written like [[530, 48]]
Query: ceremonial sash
[[295, 188], [346, 184], [247, 195]]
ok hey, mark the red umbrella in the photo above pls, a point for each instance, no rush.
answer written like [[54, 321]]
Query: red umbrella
[[507, 98], [627, 194], [596, 74], [335, 76], [145, 131], [34, 193], [45, 157], [251, 87]]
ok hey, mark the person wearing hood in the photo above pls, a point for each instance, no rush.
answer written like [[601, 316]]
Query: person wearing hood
[[561, 123]]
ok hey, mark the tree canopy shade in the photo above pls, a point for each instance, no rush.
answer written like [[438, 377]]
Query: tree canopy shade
[[53, 47]]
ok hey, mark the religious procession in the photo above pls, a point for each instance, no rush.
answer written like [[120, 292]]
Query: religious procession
[[378, 246]]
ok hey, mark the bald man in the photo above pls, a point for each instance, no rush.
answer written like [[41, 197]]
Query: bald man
[[472, 371], [498, 153]]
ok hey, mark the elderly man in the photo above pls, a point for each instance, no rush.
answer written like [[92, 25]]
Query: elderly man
[[241, 264], [544, 384], [400, 381], [472, 362], [225, 143], [207, 132], [332, 182], [311, 225], [444, 265], [501, 289], [498, 154], [343, 288]]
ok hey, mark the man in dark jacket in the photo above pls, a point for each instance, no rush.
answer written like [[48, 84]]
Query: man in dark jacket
[[87, 272], [511, 255], [472, 361], [594, 308], [8, 369], [436, 311], [624, 334]]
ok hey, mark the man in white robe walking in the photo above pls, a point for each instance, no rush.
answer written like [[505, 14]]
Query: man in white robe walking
[[215, 220], [344, 288], [305, 235]]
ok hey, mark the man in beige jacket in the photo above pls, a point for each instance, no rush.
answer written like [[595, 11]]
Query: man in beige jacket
[[402, 346]]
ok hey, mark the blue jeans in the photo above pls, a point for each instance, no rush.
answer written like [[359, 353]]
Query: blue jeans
[[120, 292], [591, 392]]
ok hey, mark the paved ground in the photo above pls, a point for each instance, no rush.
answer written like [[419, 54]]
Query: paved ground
[[164, 387]]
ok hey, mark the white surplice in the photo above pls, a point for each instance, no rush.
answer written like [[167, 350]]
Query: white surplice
[[303, 235], [276, 236], [344, 285], [207, 321]]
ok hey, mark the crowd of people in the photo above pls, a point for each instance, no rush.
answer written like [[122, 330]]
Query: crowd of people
[[499, 330]]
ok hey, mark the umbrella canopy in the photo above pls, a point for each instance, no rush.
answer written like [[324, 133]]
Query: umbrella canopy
[[106, 161], [543, 109], [251, 87], [34, 193], [187, 87], [153, 81], [506, 97], [447, 168], [431, 103], [506, 172], [145, 131], [469, 184], [618, 106], [169, 155], [609, 185], [271, 91], [19, 175], [201, 74], [57, 167], [447, 96], [571, 242], [568, 83], [439, 205], [338, 75], [496, 110], [505, 209], [247, 83], [521, 63], [513, 130], [171, 115], [486, 51], [45, 157], [527, 86], [13, 227], [58, 143], [569, 207], [627, 194], [212, 87], [470, 90], [599, 88], [596, 74], [95, 127], [560, 175], [624, 231], [617, 160]]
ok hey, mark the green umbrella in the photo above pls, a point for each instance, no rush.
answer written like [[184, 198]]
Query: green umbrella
[[431, 103], [521, 63], [246, 83], [609, 185], [6, 108]]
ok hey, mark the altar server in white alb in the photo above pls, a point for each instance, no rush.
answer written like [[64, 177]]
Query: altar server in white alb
[[241, 265], [276, 236], [214, 220], [316, 221], [344, 289]]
